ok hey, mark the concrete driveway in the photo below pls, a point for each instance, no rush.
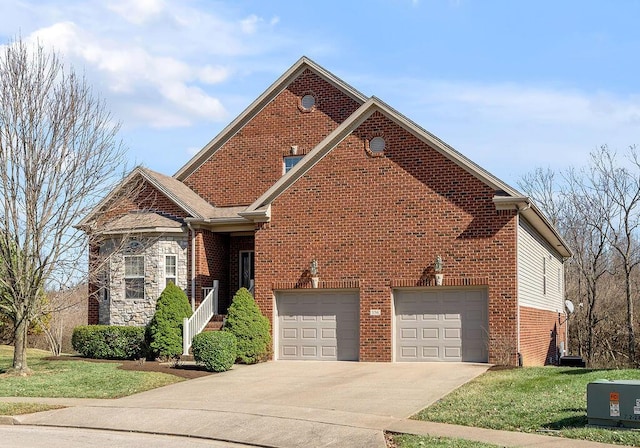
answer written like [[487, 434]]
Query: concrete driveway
[[384, 389], [278, 404]]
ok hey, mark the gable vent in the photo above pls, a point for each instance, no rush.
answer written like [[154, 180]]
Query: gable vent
[[308, 101], [377, 145]]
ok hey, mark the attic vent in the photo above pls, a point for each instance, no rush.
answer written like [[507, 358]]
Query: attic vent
[[308, 101], [377, 145]]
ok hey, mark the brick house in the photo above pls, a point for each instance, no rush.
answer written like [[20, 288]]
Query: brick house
[[363, 236]]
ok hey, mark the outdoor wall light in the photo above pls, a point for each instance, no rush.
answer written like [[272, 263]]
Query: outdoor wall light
[[313, 270], [437, 267]]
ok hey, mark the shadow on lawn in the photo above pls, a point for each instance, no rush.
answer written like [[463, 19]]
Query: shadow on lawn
[[581, 371], [575, 421]]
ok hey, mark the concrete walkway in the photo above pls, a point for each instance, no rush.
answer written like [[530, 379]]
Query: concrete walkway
[[291, 404]]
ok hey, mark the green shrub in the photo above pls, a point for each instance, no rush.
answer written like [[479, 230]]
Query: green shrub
[[250, 327], [109, 341], [215, 350], [164, 332]]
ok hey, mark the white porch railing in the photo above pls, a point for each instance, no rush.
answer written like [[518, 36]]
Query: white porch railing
[[195, 324]]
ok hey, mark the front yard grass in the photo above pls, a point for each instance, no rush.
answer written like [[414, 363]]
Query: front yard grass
[[75, 379], [411, 441], [531, 399], [25, 408]]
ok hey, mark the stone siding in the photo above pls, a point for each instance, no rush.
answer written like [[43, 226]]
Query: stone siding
[[114, 309]]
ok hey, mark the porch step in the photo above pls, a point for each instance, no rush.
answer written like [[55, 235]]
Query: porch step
[[213, 326]]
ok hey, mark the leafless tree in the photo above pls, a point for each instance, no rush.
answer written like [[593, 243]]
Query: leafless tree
[[597, 210], [59, 154], [620, 186]]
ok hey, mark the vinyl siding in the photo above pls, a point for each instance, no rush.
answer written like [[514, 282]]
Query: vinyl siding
[[535, 256]]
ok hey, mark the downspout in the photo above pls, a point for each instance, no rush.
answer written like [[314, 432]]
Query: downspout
[[519, 354], [193, 266]]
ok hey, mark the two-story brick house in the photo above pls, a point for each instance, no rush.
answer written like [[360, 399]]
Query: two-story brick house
[[339, 211]]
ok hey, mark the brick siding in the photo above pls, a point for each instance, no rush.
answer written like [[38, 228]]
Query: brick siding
[[252, 160], [540, 336], [382, 219]]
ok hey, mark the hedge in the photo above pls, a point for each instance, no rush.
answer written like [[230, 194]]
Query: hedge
[[215, 350], [109, 341], [164, 331], [250, 327]]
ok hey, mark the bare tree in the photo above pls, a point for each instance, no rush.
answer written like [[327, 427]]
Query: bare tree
[[620, 185], [59, 153]]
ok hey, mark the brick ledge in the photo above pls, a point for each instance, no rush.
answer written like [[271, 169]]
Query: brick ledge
[[342, 284], [447, 281]]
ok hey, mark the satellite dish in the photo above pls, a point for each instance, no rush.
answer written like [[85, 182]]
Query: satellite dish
[[569, 305]]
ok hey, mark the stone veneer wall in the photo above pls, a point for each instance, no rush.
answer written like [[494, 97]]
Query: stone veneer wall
[[115, 309]]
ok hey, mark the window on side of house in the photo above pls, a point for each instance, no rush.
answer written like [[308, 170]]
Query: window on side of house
[[246, 268], [170, 269], [134, 277], [290, 162]]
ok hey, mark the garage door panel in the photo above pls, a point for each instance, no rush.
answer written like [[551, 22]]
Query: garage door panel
[[430, 333], [452, 333], [410, 352], [449, 325], [409, 334], [320, 325]]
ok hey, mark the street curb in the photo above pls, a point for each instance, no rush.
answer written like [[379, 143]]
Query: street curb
[[8, 420]]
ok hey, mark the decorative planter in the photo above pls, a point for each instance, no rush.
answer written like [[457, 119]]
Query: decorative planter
[[314, 282], [439, 279]]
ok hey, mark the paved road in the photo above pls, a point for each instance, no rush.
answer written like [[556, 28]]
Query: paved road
[[45, 437]]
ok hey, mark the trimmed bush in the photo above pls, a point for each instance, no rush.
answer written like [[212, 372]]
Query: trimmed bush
[[109, 341], [165, 329], [250, 327], [215, 350]]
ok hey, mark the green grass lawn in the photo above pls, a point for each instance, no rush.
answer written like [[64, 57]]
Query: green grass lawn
[[75, 379], [411, 441], [25, 408], [531, 399]]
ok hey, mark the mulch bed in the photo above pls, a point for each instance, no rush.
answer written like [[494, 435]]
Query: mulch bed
[[188, 371]]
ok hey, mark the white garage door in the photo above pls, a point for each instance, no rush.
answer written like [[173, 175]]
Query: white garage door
[[441, 325], [318, 325]]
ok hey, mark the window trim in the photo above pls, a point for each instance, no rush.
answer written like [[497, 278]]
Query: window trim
[[290, 157], [174, 277], [134, 277], [252, 259]]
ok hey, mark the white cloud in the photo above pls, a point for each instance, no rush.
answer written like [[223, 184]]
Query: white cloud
[[137, 11], [250, 24], [158, 63]]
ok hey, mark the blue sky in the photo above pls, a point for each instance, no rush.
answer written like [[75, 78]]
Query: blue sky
[[512, 85]]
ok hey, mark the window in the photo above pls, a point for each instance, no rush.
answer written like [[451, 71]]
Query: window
[[134, 277], [246, 268], [170, 269], [290, 162]]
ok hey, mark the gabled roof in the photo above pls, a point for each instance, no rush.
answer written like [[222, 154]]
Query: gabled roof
[[260, 209], [254, 108], [176, 191]]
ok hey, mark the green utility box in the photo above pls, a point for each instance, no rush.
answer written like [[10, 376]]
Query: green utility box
[[614, 403]]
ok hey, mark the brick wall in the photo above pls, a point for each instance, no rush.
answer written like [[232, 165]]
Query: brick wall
[[93, 299], [252, 160], [237, 244], [540, 336], [383, 220], [212, 256]]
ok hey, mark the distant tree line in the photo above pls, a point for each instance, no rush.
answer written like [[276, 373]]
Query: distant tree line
[[596, 208]]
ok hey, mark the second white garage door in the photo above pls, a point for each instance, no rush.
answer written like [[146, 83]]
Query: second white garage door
[[318, 325], [441, 325]]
